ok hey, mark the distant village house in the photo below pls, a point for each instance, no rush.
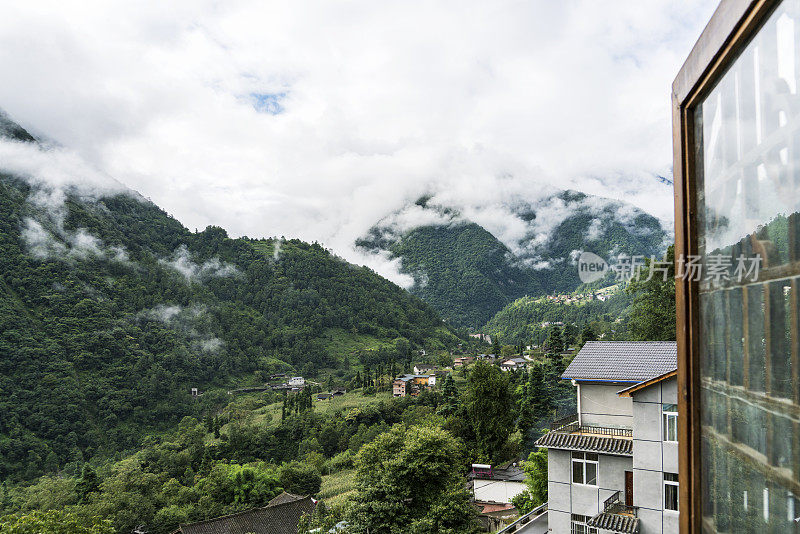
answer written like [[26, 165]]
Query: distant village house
[[412, 384]]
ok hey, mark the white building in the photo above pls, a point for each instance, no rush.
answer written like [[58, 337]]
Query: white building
[[612, 467], [498, 484], [423, 368], [297, 381]]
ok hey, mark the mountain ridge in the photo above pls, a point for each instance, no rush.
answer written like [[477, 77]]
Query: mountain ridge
[[468, 273], [110, 310]]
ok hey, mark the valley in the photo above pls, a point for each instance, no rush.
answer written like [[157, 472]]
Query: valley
[[154, 376]]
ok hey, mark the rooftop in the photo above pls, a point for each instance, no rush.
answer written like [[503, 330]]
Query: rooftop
[[507, 472], [616, 516], [406, 378], [623, 361], [627, 524], [606, 444]]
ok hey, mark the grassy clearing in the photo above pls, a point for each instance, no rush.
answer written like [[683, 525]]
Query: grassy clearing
[[337, 488], [342, 342], [351, 399]]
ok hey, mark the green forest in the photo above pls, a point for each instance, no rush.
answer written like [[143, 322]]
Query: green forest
[[639, 310], [260, 444], [111, 311]]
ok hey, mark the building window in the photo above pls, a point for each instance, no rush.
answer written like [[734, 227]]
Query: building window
[[584, 468], [579, 525], [671, 491], [670, 417]]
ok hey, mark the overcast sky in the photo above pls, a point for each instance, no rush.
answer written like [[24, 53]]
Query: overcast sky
[[316, 119]]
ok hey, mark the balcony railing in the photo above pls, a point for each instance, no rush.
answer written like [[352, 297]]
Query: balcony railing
[[611, 501], [561, 422], [524, 520], [574, 428], [613, 505]]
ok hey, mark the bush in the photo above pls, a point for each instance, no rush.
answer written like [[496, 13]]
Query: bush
[[300, 479], [343, 460]]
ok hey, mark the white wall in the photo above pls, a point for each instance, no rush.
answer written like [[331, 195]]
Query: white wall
[[497, 490], [600, 405], [652, 456]]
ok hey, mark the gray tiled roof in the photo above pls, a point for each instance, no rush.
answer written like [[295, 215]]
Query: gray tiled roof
[[579, 442], [281, 516], [511, 473], [615, 523], [623, 361]]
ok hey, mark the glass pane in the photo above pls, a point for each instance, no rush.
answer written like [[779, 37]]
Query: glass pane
[[577, 472], [670, 497], [591, 474], [747, 133]]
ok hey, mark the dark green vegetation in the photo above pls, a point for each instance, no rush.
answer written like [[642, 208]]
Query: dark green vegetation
[[641, 310], [111, 310], [522, 320], [409, 456], [468, 275], [652, 314], [462, 270], [536, 479], [409, 480]]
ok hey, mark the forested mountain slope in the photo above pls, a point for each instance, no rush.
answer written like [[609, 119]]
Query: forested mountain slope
[[525, 321], [468, 274], [111, 310]]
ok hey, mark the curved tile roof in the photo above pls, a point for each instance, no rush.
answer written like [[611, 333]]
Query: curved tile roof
[[578, 442], [615, 523]]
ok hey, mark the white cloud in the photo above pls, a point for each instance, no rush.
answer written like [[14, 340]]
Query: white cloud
[[315, 119], [186, 321], [162, 312], [182, 262], [41, 243], [65, 245]]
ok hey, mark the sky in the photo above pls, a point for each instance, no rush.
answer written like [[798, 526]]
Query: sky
[[317, 119]]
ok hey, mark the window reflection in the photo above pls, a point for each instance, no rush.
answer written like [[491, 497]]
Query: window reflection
[[748, 153]]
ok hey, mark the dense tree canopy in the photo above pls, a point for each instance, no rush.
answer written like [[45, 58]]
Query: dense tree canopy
[[652, 315], [110, 311], [409, 480]]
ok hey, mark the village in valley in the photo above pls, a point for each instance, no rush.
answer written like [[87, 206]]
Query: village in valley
[[408, 271]]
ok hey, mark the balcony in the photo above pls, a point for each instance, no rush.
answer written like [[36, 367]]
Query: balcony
[[616, 516], [566, 433]]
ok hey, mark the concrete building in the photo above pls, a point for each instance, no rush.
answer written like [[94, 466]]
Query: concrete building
[[463, 360], [423, 368], [513, 364], [412, 384], [612, 467], [496, 484]]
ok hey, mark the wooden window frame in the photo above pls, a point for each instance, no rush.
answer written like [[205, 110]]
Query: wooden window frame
[[728, 32]]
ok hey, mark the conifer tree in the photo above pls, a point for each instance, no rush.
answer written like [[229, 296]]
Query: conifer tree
[[87, 484]]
